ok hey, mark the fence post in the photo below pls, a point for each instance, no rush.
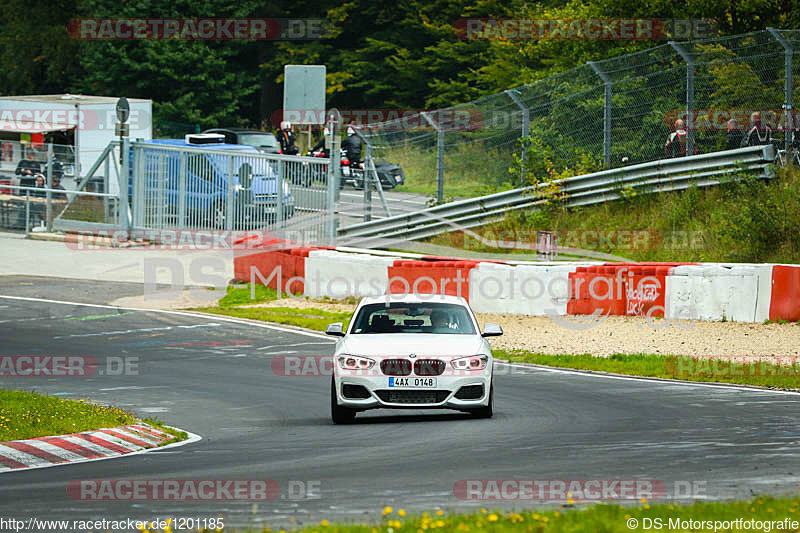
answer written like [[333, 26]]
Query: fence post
[[124, 176], [367, 183], [606, 113], [334, 176], [787, 88], [230, 212], [439, 158], [689, 95], [49, 210], [526, 115], [182, 190], [27, 213]]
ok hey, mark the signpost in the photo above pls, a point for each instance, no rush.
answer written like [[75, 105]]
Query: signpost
[[123, 129], [304, 95]]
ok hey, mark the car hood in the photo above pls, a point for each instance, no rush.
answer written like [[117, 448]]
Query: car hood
[[407, 343]]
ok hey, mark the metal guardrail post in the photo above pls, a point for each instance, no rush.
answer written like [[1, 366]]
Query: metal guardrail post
[[787, 87], [439, 158], [526, 121], [606, 113], [689, 95]]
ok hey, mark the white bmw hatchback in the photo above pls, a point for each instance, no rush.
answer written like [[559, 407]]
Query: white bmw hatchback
[[412, 352]]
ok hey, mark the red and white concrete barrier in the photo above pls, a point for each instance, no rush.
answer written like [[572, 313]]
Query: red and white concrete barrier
[[704, 291]]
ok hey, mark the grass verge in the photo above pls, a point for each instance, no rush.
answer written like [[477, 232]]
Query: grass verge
[[238, 296], [698, 516], [310, 318], [760, 373], [27, 415], [735, 371], [744, 220]]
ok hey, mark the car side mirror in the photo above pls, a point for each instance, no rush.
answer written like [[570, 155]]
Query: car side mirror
[[492, 330], [335, 329]]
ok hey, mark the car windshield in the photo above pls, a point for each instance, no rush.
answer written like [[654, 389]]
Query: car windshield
[[422, 317], [259, 140]]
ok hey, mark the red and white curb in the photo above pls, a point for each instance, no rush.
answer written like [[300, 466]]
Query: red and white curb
[[94, 445]]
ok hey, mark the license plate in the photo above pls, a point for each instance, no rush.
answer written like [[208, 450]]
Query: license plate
[[413, 383]]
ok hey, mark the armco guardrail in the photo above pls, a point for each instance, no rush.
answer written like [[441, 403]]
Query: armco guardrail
[[656, 176]]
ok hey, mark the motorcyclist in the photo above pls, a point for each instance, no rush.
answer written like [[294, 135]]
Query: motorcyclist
[[287, 139], [321, 143], [352, 145]]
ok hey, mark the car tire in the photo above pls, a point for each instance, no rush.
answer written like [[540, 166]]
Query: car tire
[[488, 411], [340, 415]]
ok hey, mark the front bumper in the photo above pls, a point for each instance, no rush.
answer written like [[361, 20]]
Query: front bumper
[[441, 397]]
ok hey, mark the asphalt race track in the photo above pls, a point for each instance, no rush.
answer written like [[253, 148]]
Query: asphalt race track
[[213, 377]]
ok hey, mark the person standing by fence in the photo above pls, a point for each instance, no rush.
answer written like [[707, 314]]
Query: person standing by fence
[[758, 133], [676, 141]]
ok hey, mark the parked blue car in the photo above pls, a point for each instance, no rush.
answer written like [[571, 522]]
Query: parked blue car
[[209, 177]]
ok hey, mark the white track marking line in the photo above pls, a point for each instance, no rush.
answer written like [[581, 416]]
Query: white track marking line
[[320, 336], [677, 383], [179, 313]]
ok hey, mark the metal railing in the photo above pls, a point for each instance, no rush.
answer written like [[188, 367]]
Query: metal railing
[[188, 187], [25, 208], [604, 114], [645, 178]]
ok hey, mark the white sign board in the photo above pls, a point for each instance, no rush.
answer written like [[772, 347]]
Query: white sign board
[[304, 94]]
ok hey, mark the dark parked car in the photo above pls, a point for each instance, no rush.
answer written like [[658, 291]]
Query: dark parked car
[[263, 140]]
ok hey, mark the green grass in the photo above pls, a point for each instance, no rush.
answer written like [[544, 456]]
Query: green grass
[[238, 296], [751, 220], [27, 415], [241, 294], [577, 518], [669, 367], [464, 177], [317, 319]]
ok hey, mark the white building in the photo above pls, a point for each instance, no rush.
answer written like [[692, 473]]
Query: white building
[[79, 126]]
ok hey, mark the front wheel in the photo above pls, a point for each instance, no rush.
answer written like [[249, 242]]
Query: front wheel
[[340, 415], [488, 411]]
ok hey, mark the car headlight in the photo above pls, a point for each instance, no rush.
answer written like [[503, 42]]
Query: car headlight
[[353, 362], [473, 362]]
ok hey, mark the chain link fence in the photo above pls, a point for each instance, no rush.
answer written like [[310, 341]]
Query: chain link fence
[[605, 114]]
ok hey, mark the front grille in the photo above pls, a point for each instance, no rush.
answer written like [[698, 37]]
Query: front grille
[[413, 396], [355, 392], [470, 392], [429, 367], [396, 367]]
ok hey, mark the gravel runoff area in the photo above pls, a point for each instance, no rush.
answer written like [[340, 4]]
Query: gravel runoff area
[[617, 334]]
